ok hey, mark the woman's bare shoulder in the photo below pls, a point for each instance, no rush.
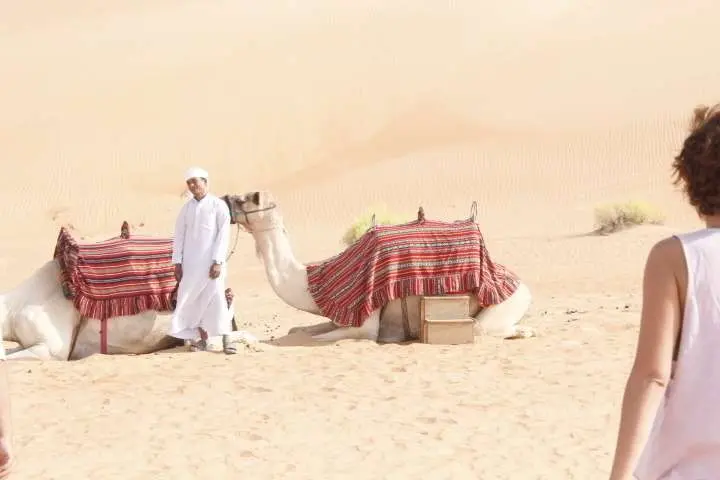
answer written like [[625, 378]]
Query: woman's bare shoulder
[[667, 247], [667, 256]]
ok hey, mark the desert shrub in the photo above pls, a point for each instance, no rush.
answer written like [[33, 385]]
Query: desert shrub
[[618, 216], [364, 222]]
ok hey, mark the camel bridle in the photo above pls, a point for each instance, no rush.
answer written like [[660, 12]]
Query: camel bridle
[[257, 210], [240, 210], [235, 212]]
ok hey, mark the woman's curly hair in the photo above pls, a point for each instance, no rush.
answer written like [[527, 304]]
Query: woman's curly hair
[[697, 166]]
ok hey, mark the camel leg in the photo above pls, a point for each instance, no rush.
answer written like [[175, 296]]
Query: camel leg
[[38, 351], [368, 331], [44, 339], [316, 329], [501, 320]]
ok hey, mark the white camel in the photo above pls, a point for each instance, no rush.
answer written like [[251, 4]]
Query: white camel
[[259, 215], [38, 317]]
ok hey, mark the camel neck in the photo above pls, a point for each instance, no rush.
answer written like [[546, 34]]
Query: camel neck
[[287, 276]]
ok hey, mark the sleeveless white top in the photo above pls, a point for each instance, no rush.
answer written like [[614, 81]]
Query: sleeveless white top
[[684, 442]]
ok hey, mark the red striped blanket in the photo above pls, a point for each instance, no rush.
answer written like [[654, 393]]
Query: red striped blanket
[[423, 257], [119, 276]]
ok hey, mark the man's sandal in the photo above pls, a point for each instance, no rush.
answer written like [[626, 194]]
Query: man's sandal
[[199, 346], [228, 348]]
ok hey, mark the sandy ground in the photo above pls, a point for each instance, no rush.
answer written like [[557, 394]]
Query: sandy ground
[[538, 110]]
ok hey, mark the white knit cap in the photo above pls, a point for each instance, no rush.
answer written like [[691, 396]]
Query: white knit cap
[[195, 172]]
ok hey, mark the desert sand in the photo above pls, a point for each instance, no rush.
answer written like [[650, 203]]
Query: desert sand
[[539, 110]]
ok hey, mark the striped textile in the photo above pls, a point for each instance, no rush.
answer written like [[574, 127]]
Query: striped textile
[[119, 276], [423, 257]]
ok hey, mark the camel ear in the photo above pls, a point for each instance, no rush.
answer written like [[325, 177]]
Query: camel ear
[[256, 198]]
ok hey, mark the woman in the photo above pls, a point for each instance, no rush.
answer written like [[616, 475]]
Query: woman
[[5, 429], [670, 421]]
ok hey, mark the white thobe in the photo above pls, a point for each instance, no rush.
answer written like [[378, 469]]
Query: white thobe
[[202, 233]]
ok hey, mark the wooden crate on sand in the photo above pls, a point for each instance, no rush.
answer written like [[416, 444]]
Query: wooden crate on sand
[[446, 320]]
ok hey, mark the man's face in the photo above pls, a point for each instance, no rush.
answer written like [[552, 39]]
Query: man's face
[[197, 186], [229, 295]]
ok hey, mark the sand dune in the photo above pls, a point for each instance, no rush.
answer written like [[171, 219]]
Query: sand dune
[[537, 110]]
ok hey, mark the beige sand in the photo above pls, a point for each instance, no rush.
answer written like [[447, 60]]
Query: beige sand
[[539, 110]]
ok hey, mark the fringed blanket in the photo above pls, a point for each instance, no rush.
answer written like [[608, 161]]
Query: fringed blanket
[[119, 276], [423, 257]]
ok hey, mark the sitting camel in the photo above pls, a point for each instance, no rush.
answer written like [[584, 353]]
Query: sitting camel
[[47, 320], [303, 287]]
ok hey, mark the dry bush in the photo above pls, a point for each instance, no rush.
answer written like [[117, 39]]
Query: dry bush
[[618, 216], [364, 222]]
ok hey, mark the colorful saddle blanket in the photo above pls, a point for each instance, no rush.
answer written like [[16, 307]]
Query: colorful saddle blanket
[[120, 276], [422, 257]]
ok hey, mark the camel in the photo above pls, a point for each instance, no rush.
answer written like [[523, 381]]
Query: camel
[[258, 214], [42, 321], [37, 315]]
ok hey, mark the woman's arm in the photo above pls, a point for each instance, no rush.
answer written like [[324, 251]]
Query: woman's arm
[[5, 421], [5, 428], [659, 323]]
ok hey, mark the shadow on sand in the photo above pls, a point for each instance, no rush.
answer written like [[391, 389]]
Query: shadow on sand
[[302, 337]]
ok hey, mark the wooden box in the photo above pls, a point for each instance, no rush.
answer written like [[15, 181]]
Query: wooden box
[[446, 320]]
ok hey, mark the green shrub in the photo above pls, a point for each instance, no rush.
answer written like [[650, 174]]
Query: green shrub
[[364, 222], [618, 216]]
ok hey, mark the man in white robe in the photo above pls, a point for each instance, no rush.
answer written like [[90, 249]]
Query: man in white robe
[[200, 244]]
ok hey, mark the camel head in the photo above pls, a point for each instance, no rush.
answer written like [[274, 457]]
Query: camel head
[[254, 211]]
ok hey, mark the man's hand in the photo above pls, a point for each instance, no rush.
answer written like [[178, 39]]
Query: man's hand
[[6, 459], [178, 272], [215, 270]]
